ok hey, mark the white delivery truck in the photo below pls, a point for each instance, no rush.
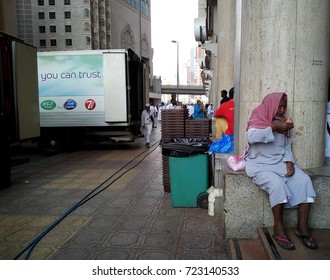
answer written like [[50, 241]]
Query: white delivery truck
[[90, 96]]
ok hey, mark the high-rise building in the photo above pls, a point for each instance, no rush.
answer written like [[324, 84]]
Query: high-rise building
[[53, 25], [197, 62]]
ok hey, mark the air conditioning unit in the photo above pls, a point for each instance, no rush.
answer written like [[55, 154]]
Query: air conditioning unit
[[200, 29]]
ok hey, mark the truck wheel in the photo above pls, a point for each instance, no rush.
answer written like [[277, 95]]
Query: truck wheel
[[50, 145], [202, 200]]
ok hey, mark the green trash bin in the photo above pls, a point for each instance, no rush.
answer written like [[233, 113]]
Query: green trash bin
[[189, 180]]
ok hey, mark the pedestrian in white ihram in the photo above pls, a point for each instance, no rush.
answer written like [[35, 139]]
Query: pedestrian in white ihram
[[210, 111], [146, 124], [154, 113], [159, 115], [191, 111]]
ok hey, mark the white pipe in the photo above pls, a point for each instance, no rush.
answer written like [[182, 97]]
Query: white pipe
[[213, 194]]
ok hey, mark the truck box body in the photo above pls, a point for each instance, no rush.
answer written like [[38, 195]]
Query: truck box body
[[26, 91], [91, 93], [19, 106]]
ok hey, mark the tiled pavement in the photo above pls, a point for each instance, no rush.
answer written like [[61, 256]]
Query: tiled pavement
[[132, 218]]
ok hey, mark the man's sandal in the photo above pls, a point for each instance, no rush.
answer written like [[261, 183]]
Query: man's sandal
[[308, 241], [284, 242]]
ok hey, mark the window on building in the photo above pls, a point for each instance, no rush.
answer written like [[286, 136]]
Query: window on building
[[127, 42], [86, 13], [87, 40], [145, 9], [68, 42], [53, 42], [133, 3], [144, 47], [51, 2], [52, 29], [52, 15], [41, 2], [68, 28], [67, 14], [42, 29], [67, 2], [41, 15], [87, 26], [42, 43]]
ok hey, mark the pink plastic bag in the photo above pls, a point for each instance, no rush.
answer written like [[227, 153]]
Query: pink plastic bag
[[236, 163]]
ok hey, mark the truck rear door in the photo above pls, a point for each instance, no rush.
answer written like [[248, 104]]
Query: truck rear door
[[115, 82]]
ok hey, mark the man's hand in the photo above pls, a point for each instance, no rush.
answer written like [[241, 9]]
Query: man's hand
[[282, 126], [289, 169]]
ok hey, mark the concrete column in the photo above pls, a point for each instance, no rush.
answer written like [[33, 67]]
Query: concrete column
[[285, 47], [226, 41]]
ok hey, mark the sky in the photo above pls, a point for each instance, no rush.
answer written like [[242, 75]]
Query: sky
[[172, 20]]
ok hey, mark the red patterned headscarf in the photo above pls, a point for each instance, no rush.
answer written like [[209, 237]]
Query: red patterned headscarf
[[263, 115]]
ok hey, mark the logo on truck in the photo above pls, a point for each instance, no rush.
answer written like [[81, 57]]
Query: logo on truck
[[48, 105], [90, 104], [70, 104]]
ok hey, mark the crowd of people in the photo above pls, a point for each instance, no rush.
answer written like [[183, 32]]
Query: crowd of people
[[152, 114], [224, 115]]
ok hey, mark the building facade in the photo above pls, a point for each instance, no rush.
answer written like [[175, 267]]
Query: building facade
[[60, 25]]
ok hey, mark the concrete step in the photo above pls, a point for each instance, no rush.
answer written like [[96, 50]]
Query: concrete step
[[266, 248]]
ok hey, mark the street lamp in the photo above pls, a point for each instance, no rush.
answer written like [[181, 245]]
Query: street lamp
[[177, 69]]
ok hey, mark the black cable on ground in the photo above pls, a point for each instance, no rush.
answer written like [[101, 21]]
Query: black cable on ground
[[89, 196]]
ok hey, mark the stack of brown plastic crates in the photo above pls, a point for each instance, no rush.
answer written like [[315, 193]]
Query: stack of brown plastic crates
[[198, 128], [176, 124], [173, 126]]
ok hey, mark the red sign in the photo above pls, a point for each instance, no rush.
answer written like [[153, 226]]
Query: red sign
[[90, 104]]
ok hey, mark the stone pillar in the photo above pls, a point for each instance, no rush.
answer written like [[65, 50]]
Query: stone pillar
[[285, 47], [225, 31]]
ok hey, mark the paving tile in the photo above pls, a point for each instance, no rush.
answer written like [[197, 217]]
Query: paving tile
[[154, 255], [123, 239], [133, 224], [88, 237], [112, 255], [197, 241], [73, 254], [22, 235], [161, 239], [167, 224]]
